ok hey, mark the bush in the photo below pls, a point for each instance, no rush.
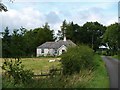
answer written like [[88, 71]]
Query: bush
[[15, 70], [77, 58]]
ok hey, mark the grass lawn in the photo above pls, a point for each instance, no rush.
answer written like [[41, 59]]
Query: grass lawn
[[40, 64]]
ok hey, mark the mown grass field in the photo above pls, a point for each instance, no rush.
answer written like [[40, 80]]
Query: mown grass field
[[85, 79], [39, 64]]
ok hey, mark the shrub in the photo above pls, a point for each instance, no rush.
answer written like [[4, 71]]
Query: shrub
[[16, 71], [77, 58]]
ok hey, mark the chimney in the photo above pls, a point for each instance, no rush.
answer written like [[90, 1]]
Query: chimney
[[64, 34], [64, 38]]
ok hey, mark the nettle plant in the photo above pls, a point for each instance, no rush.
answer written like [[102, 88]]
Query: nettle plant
[[15, 70]]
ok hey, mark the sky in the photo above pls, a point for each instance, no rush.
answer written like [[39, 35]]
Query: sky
[[33, 14]]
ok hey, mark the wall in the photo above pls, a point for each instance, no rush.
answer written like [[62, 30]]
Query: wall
[[63, 47], [38, 52], [46, 52]]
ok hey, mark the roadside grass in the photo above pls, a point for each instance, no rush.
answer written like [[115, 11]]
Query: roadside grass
[[116, 57], [84, 79], [100, 79]]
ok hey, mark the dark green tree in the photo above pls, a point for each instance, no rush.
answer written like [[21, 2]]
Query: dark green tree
[[111, 37], [36, 37], [62, 32], [93, 34], [17, 43], [6, 42]]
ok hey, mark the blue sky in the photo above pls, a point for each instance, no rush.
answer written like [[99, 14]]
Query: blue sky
[[34, 14]]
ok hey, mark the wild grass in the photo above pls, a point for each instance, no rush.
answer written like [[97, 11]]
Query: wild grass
[[100, 79]]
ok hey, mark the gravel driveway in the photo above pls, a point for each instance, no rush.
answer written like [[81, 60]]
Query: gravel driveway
[[113, 68]]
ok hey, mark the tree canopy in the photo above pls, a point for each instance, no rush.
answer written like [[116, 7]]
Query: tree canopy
[[111, 37], [23, 42], [90, 33]]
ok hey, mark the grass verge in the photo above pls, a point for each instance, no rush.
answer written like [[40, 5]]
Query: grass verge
[[116, 56], [100, 79]]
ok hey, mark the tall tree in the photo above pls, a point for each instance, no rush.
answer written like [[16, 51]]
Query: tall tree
[[111, 37], [6, 42], [94, 32], [62, 32], [17, 43], [36, 37]]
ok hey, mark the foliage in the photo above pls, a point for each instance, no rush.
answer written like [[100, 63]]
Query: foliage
[[77, 58], [16, 70], [83, 79], [90, 33], [6, 40], [17, 43], [3, 7], [23, 43], [111, 38], [100, 75]]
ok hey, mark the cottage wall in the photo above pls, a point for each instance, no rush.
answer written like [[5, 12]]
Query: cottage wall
[[51, 52], [52, 48], [38, 52], [46, 52], [61, 49]]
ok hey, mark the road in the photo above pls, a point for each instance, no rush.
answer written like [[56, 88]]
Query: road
[[113, 68]]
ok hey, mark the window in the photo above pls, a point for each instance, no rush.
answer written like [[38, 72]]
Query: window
[[55, 51], [63, 51], [42, 50]]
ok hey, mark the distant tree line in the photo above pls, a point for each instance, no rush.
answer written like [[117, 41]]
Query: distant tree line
[[93, 34], [23, 42]]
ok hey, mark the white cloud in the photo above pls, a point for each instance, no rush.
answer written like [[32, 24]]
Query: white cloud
[[31, 17], [92, 14], [27, 17]]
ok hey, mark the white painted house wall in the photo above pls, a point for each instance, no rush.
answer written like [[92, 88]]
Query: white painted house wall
[[51, 52], [46, 52], [63, 47], [38, 52]]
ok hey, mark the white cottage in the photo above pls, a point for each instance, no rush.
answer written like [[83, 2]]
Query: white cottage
[[54, 48]]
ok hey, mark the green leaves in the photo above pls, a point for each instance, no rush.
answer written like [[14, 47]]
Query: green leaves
[[111, 37], [90, 33], [23, 43], [77, 58], [16, 70]]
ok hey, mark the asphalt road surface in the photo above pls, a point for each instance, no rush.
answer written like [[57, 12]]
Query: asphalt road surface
[[113, 68]]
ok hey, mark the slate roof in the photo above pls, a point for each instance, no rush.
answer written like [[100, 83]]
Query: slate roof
[[56, 45]]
